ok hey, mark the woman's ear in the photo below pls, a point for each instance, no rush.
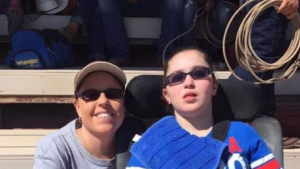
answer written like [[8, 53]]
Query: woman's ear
[[77, 107], [215, 87], [165, 94]]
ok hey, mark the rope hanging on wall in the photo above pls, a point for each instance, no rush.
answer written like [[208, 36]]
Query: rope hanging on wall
[[245, 54]]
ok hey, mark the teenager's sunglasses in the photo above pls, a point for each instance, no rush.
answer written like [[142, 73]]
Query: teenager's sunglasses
[[93, 94], [179, 77]]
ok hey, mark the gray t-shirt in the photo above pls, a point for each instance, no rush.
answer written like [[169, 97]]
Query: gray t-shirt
[[63, 150]]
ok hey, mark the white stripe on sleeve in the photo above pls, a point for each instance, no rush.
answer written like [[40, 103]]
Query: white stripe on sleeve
[[262, 160]]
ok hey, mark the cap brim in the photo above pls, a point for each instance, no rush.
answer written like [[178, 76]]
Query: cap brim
[[62, 4], [100, 66]]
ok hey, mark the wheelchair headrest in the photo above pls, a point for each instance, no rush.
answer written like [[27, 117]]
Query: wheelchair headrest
[[235, 100]]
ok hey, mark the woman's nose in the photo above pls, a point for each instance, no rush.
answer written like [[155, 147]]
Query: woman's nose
[[102, 100]]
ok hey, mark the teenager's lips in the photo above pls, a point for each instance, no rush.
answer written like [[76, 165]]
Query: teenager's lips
[[189, 94], [190, 97]]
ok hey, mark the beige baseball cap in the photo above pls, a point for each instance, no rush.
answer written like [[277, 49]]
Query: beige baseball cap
[[100, 66]]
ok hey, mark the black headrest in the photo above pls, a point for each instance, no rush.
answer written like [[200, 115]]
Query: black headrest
[[235, 100], [143, 97], [238, 100]]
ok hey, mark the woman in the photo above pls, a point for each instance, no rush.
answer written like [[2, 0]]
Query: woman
[[91, 141], [185, 139]]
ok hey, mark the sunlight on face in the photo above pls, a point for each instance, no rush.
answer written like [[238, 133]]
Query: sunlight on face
[[192, 97], [102, 115]]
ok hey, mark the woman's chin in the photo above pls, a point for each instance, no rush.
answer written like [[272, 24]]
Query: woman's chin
[[105, 128]]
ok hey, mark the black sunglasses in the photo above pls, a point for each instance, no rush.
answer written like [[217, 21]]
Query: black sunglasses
[[179, 77], [94, 94]]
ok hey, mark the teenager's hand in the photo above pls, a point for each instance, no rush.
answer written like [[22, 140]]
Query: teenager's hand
[[289, 8], [208, 4]]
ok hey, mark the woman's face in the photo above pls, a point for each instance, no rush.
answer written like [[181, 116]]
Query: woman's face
[[101, 115], [191, 98]]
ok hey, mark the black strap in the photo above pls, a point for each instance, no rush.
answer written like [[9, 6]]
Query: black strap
[[220, 130]]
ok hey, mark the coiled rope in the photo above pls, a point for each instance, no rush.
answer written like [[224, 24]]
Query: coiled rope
[[245, 54]]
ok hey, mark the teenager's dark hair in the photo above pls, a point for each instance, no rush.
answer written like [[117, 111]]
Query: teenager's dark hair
[[182, 49]]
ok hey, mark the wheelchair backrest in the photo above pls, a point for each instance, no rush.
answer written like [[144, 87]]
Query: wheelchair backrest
[[235, 100]]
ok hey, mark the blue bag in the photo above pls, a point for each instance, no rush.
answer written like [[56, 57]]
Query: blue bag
[[35, 49]]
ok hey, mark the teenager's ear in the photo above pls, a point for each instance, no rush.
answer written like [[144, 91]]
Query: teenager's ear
[[166, 96], [215, 87]]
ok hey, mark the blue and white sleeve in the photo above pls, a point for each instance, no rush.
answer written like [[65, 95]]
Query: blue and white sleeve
[[261, 157]]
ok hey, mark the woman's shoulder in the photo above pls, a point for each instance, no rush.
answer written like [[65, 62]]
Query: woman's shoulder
[[53, 139], [53, 149]]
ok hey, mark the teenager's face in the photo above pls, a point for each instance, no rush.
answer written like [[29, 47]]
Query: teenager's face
[[101, 115], [192, 97]]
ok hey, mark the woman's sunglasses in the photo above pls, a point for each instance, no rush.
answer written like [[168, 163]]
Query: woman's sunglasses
[[94, 94], [179, 77]]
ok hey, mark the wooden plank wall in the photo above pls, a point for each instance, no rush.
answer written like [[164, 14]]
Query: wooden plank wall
[[17, 147], [59, 82], [0, 118]]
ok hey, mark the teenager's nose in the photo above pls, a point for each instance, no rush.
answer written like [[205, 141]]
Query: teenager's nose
[[189, 82]]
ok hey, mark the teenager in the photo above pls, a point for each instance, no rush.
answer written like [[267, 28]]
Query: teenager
[[185, 139]]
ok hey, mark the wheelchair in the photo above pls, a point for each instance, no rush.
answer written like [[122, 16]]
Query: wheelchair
[[235, 101]]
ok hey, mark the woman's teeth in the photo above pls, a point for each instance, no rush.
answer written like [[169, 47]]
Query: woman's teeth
[[102, 115]]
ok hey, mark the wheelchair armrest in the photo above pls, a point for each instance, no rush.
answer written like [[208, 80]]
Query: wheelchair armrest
[[270, 129]]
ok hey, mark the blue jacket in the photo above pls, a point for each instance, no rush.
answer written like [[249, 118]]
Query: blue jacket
[[167, 145]]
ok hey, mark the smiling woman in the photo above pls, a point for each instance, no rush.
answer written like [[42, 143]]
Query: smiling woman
[[91, 141]]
